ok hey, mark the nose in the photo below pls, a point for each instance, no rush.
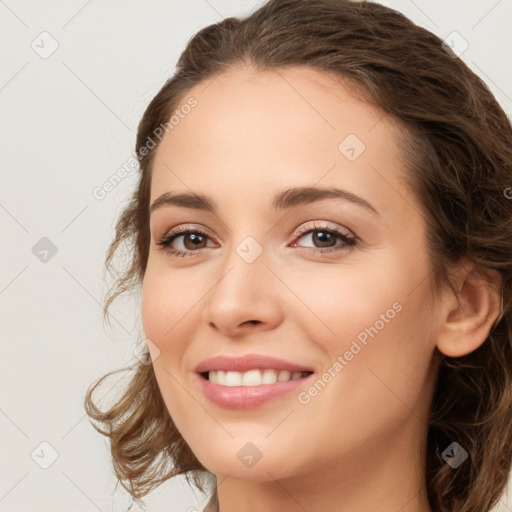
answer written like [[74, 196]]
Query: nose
[[245, 298]]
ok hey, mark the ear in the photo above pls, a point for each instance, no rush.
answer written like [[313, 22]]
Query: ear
[[467, 316]]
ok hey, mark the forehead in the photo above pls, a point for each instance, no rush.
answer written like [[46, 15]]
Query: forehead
[[244, 104], [260, 129]]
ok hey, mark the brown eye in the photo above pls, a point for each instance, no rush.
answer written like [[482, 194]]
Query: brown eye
[[195, 241], [185, 242], [324, 240]]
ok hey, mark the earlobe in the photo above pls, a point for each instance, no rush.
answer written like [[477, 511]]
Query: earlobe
[[465, 323]]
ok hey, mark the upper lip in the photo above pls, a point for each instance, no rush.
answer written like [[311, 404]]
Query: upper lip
[[248, 362]]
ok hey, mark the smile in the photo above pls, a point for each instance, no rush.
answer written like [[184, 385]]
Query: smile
[[255, 377], [235, 394]]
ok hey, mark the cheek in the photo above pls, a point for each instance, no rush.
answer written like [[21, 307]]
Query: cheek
[[164, 308], [372, 387], [388, 383], [341, 304], [165, 312], [379, 322], [153, 306]]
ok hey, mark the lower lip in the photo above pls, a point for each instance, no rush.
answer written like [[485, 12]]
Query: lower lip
[[246, 397]]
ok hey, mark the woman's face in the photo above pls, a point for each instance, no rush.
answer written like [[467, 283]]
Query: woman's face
[[275, 273]]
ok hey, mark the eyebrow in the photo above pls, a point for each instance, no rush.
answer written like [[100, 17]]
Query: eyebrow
[[283, 200]]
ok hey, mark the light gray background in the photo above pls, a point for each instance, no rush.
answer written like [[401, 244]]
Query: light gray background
[[68, 122]]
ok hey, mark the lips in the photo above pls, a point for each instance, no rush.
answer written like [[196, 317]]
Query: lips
[[249, 396], [249, 362]]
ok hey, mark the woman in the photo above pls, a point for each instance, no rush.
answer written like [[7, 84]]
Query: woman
[[322, 234]]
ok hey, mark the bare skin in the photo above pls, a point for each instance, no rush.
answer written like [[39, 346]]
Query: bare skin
[[359, 444]]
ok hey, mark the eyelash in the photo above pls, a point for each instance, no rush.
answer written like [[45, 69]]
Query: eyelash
[[168, 238]]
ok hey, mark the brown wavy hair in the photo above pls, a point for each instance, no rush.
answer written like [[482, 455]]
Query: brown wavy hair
[[458, 149]]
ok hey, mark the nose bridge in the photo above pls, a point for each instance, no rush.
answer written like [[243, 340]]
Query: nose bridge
[[244, 291], [245, 273]]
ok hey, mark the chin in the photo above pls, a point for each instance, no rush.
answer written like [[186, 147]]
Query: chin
[[261, 470]]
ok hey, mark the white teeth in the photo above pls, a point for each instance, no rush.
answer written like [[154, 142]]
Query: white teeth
[[269, 377], [251, 377], [232, 379], [284, 375]]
